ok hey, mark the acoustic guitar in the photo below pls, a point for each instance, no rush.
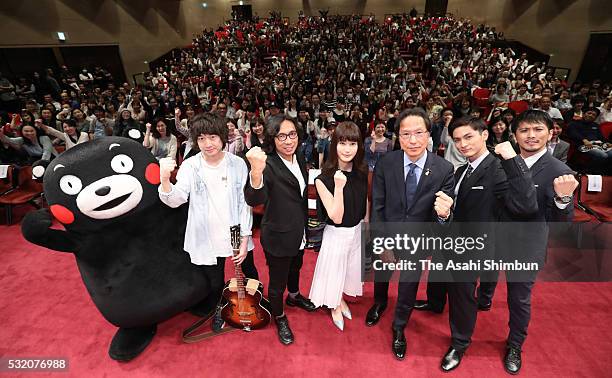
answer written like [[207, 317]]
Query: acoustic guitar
[[245, 306]]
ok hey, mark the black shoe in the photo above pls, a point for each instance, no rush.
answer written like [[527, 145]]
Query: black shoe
[[399, 344], [374, 314], [421, 305], [284, 332], [512, 361], [451, 359], [301, 302], [130, 342], [217, 321], [484, 307]]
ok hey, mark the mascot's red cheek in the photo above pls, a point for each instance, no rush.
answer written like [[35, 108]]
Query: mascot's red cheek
[[152, 174], [62, 214]]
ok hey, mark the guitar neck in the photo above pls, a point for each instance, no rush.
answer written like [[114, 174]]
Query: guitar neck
[[235, 239]]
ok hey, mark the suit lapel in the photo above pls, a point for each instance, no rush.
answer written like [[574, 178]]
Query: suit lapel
[[286, 174], [540, 164], [398, 171], [479, 172]]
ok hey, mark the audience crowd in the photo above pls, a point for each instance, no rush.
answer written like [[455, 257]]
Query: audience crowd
[[320, 71]]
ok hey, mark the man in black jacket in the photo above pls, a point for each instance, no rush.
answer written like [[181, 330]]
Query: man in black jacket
[[555, 185], [278, 181], [486, 190]]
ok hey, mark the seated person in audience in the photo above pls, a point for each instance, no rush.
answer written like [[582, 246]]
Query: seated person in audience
[[182, 126], [162, 143], [235, 143], [546, 106], [587, 137], [605, 111], [125, 123], [499, 132], [376, 145], [500, 97], [563, 103], [71, 137], [255, 135], [32, 143], [99, 125], [575, 113], [558, 147], [80, 119]]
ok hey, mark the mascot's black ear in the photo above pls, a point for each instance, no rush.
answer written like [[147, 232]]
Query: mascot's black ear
[[38, 169]]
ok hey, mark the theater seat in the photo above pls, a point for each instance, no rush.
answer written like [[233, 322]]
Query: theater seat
[[7, 182], [599, 204], [606, 129], [518, 106], [481, 93], [26, 192]]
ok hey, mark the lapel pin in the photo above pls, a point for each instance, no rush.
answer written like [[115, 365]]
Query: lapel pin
[[427, 171]]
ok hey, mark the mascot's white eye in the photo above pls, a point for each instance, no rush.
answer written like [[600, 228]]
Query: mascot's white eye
[[122, 164], [70, 184]]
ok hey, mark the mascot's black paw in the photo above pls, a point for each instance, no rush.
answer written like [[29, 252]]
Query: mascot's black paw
[[35, 224], [128, 343]]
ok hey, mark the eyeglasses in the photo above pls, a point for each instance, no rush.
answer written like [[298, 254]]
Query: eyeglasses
[[283, 137], [417, 135]]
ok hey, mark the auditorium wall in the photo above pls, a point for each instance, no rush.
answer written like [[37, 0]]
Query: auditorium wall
[[560, 28], [146, 29]]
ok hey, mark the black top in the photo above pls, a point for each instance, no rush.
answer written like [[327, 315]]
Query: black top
[[355, 198]]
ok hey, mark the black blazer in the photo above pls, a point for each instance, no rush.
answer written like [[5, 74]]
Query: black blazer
[[528, 240], [286, 209], [495, 191], [388, 198]]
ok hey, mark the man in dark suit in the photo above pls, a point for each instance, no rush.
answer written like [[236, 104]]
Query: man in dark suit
[[486, 190], [409, 185], [278, 180], [555, 185]]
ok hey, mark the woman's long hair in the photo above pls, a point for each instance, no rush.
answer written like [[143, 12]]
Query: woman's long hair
[[345, 131]]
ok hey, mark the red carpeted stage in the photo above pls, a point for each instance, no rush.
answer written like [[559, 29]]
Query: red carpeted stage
[[46, 312]]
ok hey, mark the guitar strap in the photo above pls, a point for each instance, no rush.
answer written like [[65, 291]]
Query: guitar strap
[[190, 335]]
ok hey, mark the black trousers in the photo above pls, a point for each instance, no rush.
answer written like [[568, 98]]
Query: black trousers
[[486, 289], [248, 266], [463, 310], [519, 306], [437, 291], [406, 295], [216, 277], [284, 273]]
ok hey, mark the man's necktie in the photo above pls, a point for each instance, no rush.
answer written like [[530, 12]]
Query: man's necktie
[[468, 172], [411, 185]]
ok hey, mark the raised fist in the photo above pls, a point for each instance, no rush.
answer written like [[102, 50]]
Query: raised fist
[[505, 150], [339, 179], [443, 204], [177, 112], [565, 185], [257, 159], [148, 125], [166, 166]]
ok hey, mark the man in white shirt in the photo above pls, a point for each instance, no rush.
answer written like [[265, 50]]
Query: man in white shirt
[[546, 106], [212, 181]]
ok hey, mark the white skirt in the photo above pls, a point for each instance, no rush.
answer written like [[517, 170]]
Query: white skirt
[[338, 268]]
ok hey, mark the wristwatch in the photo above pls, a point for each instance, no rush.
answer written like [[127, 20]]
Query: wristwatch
[[563, 199]]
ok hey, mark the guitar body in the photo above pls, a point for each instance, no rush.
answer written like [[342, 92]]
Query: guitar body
[[247, 313]]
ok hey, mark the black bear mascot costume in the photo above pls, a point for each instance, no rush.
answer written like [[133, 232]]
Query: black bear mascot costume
[[128, 245]]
